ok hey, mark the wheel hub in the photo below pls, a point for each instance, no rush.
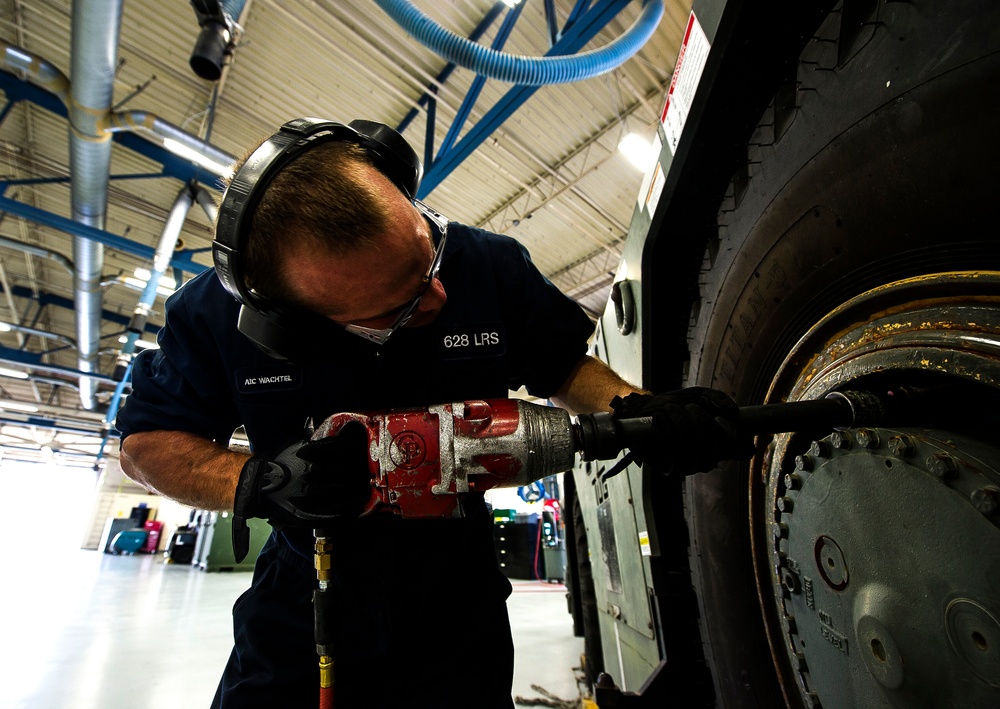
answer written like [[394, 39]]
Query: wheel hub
[[883, 544], [881, 622]]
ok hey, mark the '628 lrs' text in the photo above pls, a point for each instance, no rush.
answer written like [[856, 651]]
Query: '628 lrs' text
[[479, 339]]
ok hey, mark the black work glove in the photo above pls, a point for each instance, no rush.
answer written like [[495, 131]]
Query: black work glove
[[307, 485], [693, 429]]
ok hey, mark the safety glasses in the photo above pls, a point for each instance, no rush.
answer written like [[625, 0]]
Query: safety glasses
[[380, 337]]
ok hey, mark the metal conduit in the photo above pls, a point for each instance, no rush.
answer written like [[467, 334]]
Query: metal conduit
[[25, 330], [207, 203], [44, 74], [37, 251], [161, 261], [40, 72], [96, 26], [216, 161]]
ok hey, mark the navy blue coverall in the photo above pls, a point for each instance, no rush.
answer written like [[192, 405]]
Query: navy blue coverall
[[422, 616]]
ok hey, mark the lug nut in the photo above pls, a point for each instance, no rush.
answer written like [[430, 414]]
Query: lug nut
[[942, 465], [901, 446], [866, 438], [985, 500], [779, 530], [785, 504], [840, 440], [803, 462], [793, 482], [819, 449]]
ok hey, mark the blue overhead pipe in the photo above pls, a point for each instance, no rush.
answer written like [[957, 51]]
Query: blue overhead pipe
[[474, 36], [119, 243], [116, 399], [572, 39], [550, 21], [576, 13], [161, 262], [49, 424], [472, 95], [34, 361], [525, 71], [234, 8], [432, 104], [44, 299]]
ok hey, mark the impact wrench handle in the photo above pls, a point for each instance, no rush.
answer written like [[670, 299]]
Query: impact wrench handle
[[601, 436], [840, 410]]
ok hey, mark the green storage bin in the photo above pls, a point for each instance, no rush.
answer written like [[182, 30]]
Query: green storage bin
[[217, 549]]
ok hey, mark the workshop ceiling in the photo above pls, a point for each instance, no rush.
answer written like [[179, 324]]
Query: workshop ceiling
[[550, 175]]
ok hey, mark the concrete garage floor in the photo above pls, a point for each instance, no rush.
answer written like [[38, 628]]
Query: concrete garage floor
[[89, 630]]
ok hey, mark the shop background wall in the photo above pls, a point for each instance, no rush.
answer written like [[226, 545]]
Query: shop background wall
[[43, 507]]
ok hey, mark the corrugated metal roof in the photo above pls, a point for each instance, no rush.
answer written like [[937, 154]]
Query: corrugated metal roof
[[550, 175]]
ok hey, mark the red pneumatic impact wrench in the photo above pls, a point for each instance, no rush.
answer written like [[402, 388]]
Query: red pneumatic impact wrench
[[422, 460]]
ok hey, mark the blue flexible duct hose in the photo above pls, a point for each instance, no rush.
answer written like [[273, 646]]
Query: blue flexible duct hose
[[234, 8], [526, 71]]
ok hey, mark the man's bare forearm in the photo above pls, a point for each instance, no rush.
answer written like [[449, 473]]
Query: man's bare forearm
[[590, 387], [184, 467]]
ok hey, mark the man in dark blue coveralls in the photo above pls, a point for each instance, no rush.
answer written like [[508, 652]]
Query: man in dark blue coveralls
[[337, 291]]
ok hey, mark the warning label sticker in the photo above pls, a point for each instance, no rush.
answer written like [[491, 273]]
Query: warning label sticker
[[687, 73], [644, 547]]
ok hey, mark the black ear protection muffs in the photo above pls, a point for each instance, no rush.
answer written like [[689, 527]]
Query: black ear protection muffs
[[280, 331]]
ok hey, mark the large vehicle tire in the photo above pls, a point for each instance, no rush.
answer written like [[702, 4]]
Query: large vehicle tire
[[859, 248]]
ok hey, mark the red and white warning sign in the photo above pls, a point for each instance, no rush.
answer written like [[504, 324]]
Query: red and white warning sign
[[687, 73]]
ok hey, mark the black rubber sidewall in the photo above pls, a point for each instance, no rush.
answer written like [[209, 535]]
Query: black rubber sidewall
[[905, 189]]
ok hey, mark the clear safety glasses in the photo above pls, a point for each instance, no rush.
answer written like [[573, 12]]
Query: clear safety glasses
[[380, 337]]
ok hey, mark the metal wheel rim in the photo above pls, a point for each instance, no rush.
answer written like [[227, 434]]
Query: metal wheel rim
[[945, 325]]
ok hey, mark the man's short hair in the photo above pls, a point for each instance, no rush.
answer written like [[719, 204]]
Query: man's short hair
[[319, 200]]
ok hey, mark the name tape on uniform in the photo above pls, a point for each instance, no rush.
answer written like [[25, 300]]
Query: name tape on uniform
[[257, 380]]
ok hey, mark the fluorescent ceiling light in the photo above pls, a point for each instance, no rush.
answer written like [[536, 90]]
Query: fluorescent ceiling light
[[13, 373], [5, 327], [512, 3], [637, 151], [14, 406], [165, 287], [144, 274]]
